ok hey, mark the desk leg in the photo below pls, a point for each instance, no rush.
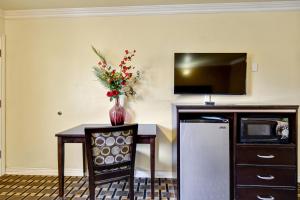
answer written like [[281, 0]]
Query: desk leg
[[152, 161], [84, 159], [61, 166]]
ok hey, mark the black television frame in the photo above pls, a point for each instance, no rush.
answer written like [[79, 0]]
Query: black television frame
[[202, 93]]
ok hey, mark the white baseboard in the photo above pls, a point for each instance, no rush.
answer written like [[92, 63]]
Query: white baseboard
[[42, 171], [158, 174], [76, 172]]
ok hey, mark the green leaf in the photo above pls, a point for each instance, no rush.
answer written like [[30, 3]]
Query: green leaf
[[101, 75], [99, 54]]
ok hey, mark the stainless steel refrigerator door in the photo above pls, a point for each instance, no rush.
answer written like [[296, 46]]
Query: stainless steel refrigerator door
[[204, 161]]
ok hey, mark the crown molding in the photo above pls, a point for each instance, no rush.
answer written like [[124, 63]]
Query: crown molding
[[155, 9]]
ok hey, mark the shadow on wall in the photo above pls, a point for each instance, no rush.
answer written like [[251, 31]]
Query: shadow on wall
[[163, 153], [163, 150]]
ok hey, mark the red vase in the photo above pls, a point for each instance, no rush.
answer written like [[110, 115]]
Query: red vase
[[117, 114]]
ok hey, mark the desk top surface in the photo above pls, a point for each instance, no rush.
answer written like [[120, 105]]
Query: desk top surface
[[78, 131]]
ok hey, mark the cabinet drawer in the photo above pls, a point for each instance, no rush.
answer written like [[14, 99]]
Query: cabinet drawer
[[265, 194], [266, 176], [267, 155]]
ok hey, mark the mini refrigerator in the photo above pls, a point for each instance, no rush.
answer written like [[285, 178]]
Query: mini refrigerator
[[204, 159]]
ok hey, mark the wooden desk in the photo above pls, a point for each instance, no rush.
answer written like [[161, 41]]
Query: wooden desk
[[146, 135]]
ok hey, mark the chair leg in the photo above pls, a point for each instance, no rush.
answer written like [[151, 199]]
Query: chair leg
[[92, 191], [131, 188]]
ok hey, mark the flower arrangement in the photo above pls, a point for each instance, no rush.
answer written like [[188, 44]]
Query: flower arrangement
[[119, 80]]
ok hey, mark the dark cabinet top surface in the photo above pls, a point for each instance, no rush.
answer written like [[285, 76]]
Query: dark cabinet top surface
[[237, 106]]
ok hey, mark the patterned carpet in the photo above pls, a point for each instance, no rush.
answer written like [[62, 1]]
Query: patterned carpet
[[14, 187]]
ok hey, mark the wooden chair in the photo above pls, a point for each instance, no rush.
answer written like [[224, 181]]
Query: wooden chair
[[111, 155]]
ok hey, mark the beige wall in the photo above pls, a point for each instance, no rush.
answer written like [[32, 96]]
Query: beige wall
[[49, 70], [1, 25]]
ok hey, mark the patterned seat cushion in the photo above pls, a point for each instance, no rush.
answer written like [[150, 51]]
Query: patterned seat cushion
[[111, 147]]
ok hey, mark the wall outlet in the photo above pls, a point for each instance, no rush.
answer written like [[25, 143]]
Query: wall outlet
[[254, 67]]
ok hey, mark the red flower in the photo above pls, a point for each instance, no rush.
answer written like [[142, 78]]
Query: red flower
[[128, 75], [115, 92], [117, 77], [125, 68], [109, 94], [122, 63]]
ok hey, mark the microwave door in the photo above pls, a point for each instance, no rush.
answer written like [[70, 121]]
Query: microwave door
[[258, 131]]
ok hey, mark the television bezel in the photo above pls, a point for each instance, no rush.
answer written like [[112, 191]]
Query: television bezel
[[200, 93]]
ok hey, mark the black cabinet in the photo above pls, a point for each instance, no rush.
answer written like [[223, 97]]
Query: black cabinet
[[257, 170]]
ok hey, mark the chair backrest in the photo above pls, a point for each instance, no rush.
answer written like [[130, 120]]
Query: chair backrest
[[111, 147]]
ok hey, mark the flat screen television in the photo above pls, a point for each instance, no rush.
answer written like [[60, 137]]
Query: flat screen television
[[210, 73]]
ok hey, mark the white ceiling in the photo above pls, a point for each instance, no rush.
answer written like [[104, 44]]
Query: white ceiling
[[48, 4]]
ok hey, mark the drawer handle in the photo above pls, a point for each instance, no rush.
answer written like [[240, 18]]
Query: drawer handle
[[265, 177], [266, 157], [265, 198]]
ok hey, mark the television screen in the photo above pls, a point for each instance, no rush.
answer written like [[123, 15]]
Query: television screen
[[210, 73]]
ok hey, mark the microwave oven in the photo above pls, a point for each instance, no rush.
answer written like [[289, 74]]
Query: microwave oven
[[264, 130]]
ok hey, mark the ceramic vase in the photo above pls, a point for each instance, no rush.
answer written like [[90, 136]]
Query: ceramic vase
[[117, 113]]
